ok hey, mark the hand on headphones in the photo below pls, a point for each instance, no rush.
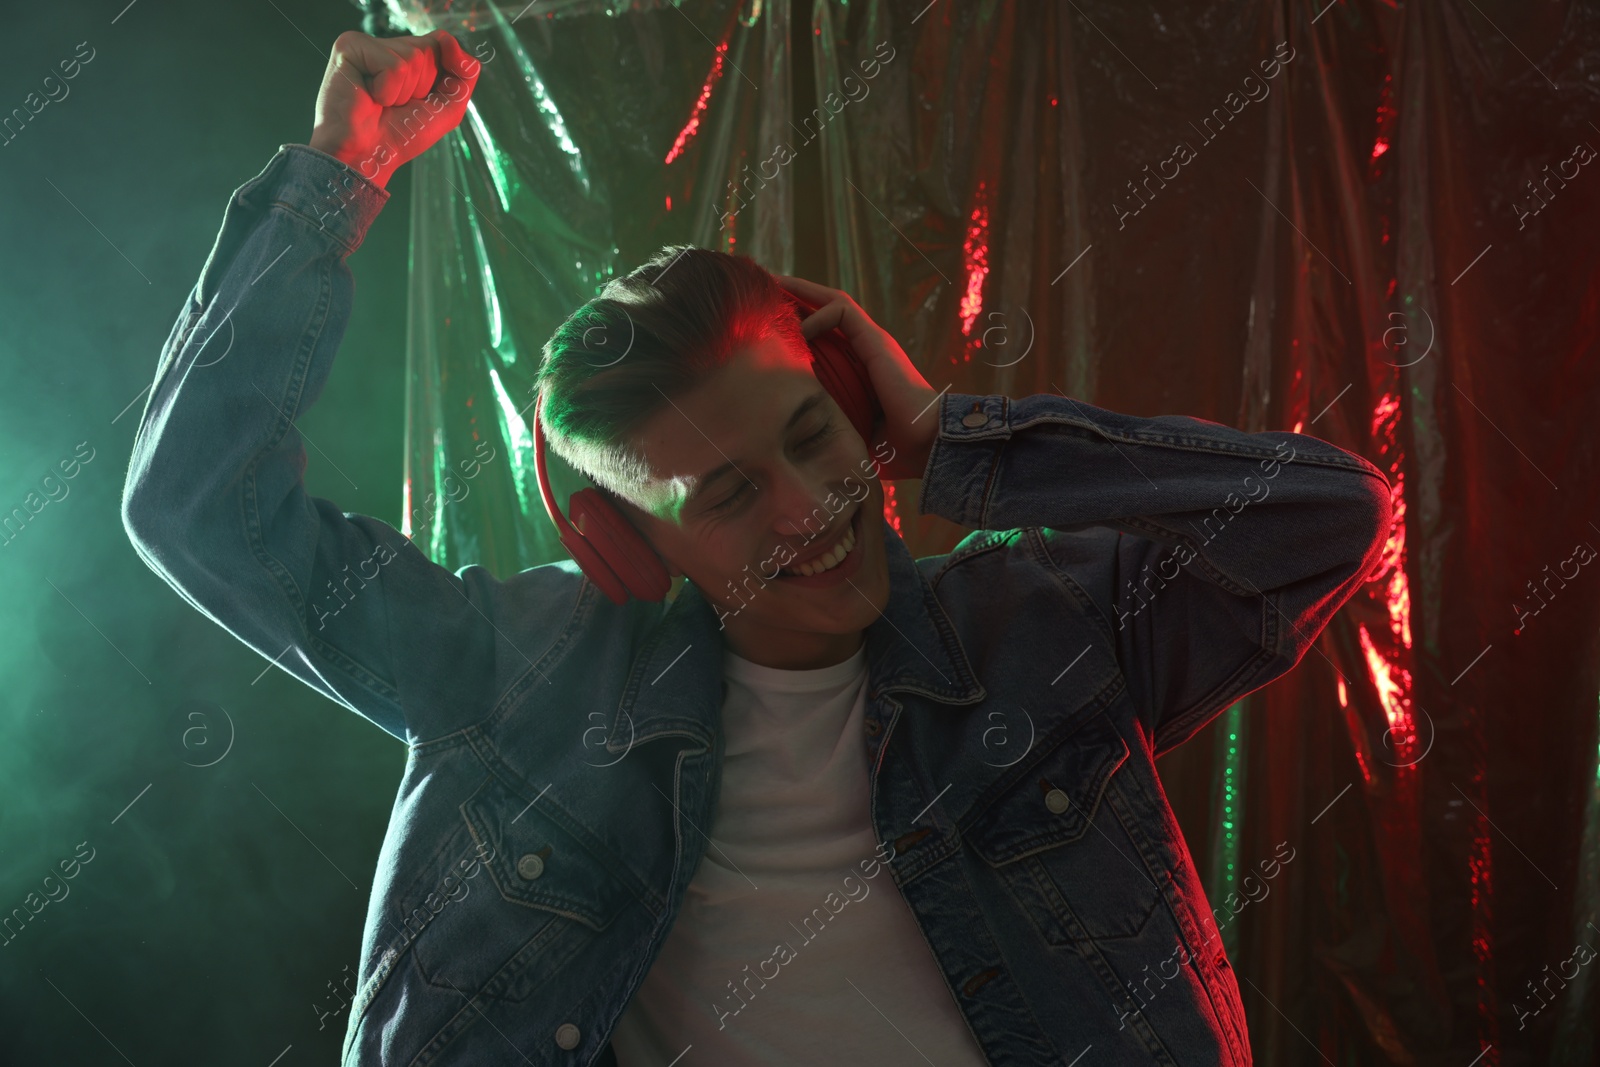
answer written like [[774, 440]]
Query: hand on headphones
[[910, 404]]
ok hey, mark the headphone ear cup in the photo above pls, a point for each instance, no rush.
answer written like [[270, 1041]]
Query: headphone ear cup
[[625, 562], [845, 377], [592, 563], [842, 374]]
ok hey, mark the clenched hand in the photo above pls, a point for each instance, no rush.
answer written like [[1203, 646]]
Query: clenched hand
[[386, 100]]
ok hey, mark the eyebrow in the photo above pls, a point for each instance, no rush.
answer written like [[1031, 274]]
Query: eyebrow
[[801, 410]]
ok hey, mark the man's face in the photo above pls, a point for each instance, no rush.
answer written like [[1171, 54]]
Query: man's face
[[755, 471]]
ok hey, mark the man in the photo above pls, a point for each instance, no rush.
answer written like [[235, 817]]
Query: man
[[635, 834]]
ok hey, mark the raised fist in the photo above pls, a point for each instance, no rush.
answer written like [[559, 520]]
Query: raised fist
[[386, 100]]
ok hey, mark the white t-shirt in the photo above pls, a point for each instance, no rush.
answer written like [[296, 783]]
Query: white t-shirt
[[794, 945]]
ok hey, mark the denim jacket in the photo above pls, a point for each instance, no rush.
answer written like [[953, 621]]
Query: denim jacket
[[1128, 579]]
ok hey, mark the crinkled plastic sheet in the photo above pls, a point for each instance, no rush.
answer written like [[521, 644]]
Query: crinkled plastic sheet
[[1310, 215]]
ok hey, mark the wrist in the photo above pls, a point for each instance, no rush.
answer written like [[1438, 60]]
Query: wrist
[[365, 164]]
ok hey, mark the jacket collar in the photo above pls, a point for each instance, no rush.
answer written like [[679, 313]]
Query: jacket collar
[[676, 686]]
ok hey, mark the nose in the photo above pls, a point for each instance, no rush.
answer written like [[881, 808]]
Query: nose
[[800, 511]]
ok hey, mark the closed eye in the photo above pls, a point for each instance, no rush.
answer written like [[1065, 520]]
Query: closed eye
[[727, 502], [816, 438]]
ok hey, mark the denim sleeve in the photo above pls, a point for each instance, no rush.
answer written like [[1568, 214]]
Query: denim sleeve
[[1235, 549], [214, 500]]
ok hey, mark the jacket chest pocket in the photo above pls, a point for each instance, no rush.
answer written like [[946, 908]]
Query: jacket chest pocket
[[541, 899], [1065, 836]]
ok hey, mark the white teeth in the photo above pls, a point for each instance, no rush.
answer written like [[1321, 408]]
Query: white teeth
[[829, 560]]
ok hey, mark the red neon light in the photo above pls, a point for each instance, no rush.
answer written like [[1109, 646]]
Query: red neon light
[[693, 125], [975, 262]]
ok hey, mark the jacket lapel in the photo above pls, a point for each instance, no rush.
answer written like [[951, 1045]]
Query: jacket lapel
[[675, 686]]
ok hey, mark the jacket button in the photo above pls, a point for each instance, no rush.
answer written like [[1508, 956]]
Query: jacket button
[[1056, 801], [974, 419], [1222, 960], [567, 1035], [530, 867], [872, 727]]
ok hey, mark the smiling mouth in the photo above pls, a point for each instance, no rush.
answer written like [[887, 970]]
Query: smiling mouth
[[830, 559]]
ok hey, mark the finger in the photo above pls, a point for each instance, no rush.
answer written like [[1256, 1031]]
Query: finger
[[427, 72], [455, 58], [814, 293], [455, 87], [419, 60], [820, 321], [386, 84], [865, 337], [384, 62], [411, 63], [344, 64]]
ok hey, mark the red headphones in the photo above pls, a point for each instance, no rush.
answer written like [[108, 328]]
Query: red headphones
[[614, 555]]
